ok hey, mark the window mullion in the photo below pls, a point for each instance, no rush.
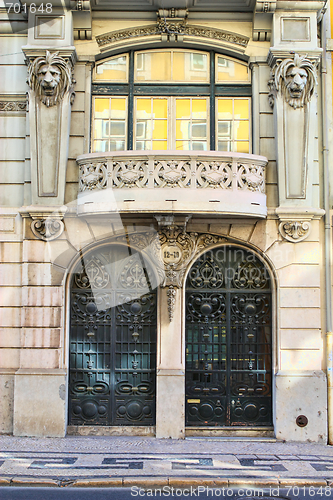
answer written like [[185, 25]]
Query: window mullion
[[130, 102], [212, 105]]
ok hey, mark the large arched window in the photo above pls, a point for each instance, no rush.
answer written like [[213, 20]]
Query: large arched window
[[171, 100]]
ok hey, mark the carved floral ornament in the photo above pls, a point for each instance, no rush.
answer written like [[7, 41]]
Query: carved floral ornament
[[295, 79], [295, 231], [51, 77]]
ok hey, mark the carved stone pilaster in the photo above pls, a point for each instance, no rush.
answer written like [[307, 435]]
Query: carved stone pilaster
[[292, 94], [50, 78]]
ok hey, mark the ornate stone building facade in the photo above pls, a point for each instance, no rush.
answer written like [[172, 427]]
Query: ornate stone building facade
[[165, 218]]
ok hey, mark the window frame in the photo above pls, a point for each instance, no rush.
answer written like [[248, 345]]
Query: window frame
[[212, 90]]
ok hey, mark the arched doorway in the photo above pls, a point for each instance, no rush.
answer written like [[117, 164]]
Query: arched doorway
[[228, 340], [112, 364]]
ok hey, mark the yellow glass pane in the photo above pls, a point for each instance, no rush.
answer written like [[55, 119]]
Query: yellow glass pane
[[153, 66], [100, 146], [231, 71], [160, 145], [102, 106], [178, 67], [98, 129], [198, 67], [199, 108], [241, 130], [160, 130], [224, 146], [160, 108], [242, 147], [183, 108], [182, 129], [113, 70], [118, 108], [183, 145], [224, 109], [241, 108], [143, 108]]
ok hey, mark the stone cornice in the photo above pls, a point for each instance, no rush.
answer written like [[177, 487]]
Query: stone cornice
[[276, 54]]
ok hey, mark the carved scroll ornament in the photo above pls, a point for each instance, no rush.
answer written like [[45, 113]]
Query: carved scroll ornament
[[47, 229], [295, 231], [295, 79], [172, 251], [50, 77]]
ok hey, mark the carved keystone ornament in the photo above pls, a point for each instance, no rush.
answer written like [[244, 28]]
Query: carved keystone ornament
[[171, 252]]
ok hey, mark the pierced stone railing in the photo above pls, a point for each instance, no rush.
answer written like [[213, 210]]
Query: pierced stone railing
[[148, 180]]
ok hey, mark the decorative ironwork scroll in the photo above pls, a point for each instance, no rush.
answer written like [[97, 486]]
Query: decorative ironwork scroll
[[112, 342], [228, 340]]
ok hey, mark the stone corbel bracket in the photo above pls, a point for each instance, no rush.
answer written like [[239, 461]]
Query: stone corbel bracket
[[262, 20], [47, 223], [295, 226], [298, 88]]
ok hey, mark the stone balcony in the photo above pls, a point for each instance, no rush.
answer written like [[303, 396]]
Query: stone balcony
[[178, 182]]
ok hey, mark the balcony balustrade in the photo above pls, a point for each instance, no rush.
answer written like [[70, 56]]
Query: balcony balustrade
[[210, 182]]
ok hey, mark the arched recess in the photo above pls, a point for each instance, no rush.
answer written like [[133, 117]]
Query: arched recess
[[228, 337], [112, 338]]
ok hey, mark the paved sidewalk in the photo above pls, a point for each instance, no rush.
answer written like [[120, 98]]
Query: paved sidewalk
[[147, 462]]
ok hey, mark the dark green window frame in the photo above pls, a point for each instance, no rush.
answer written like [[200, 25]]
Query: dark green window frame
[[211, 90]]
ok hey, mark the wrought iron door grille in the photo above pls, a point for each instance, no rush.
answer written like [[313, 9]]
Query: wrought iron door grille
[[112, 341], [228, 340]]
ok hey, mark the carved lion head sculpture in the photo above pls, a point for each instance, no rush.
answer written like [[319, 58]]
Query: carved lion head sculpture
[[296, 78], [50, 77]]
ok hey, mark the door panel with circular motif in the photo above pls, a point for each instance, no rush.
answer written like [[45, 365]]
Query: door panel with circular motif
[[228, 340], [112, 340]]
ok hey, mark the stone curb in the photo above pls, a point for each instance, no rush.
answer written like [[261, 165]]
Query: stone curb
[[175, 482]]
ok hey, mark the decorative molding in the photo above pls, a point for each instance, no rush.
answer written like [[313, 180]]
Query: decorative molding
[[93, 176], [50, 77], [47, 229], [47, 222], [263, 20], [171, 293], [172, 27], [172, 251], [173, 171], [295, 231], [130, 174], [13, 106], [295, 79]]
